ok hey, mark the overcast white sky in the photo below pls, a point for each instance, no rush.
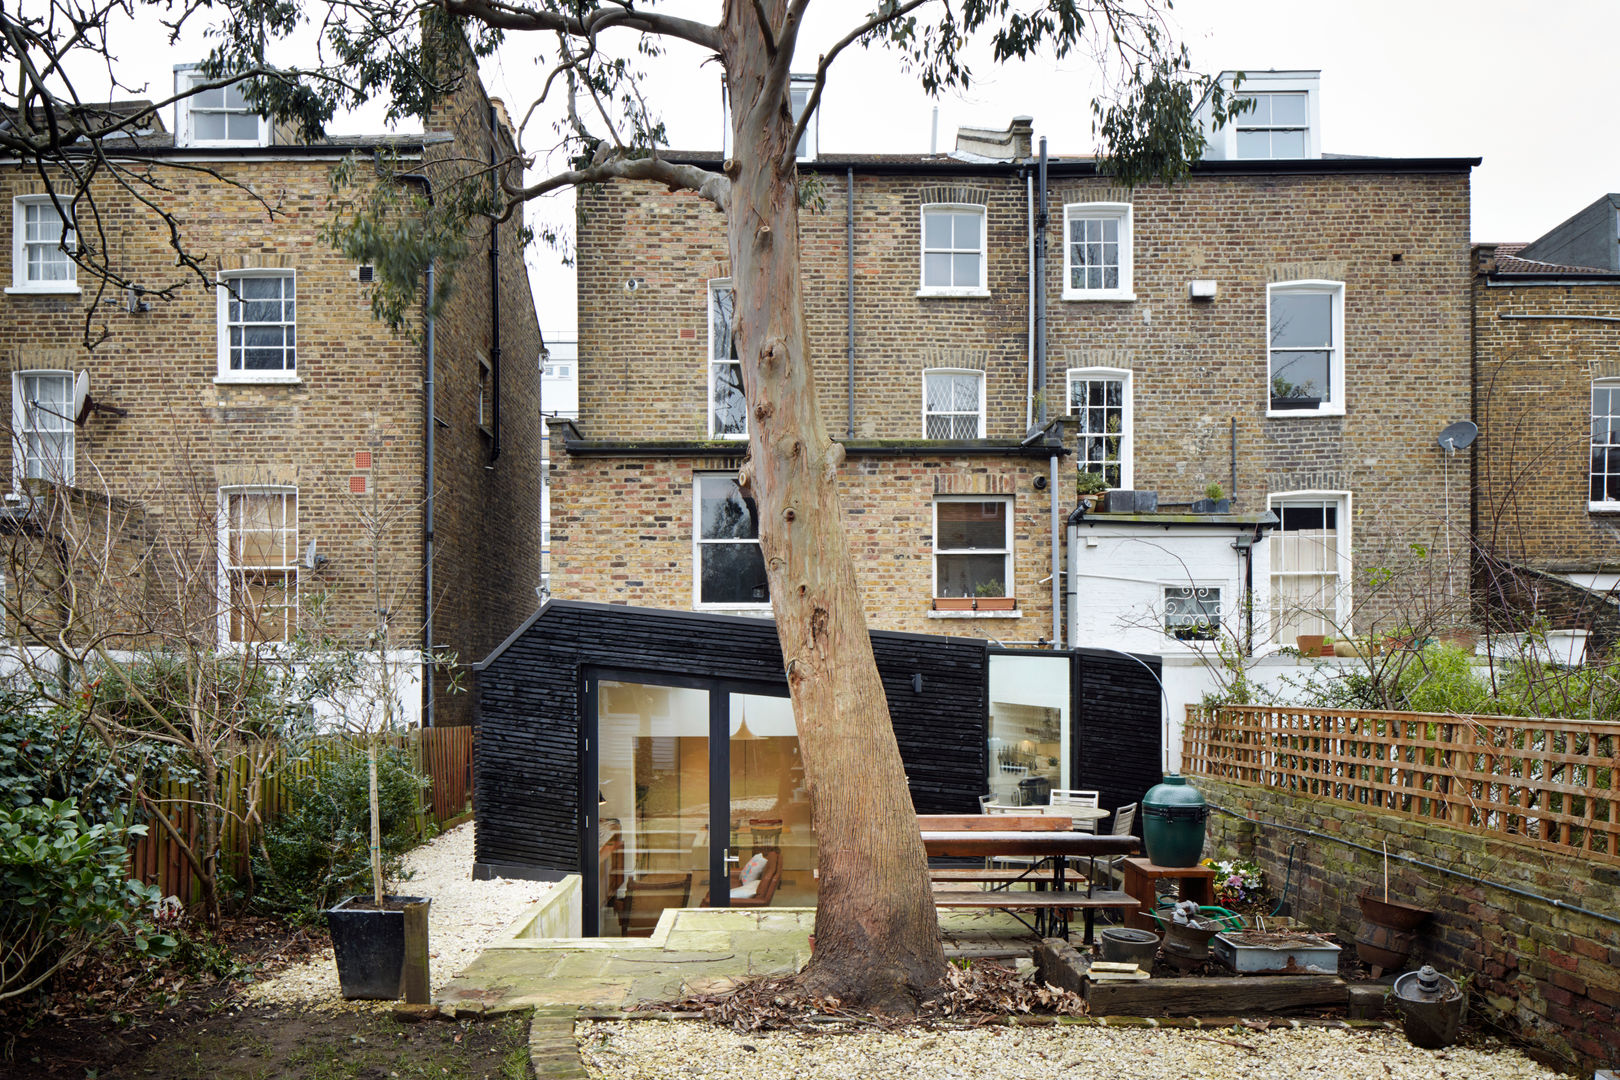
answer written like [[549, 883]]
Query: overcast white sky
[[1530, 88]]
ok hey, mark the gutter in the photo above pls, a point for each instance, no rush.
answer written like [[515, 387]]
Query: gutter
[[914, 448], [945, 166]]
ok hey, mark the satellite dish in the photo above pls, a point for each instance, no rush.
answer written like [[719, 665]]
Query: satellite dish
[[1458, 436], [81, 397], [313, 561]]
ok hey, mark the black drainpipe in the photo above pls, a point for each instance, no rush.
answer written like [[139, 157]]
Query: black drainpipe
[[428, 481], [494, 303], [1040, 288], [849, 248]]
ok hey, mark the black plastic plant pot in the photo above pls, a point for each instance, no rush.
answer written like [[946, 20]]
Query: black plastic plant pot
[[370, 946]]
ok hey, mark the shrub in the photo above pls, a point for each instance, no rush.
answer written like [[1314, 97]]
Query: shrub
[[318, 850], [65, 889]]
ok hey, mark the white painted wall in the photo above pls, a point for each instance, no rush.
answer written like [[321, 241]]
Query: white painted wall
[[1118, 572]]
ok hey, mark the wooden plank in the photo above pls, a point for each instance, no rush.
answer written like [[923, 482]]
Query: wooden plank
[[1216, 997], [992, 823], [974, 873], [413, 980], [1031, 901], [991, 844]]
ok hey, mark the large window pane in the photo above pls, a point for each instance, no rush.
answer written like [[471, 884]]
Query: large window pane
[[972, 525], [730, 567], [1029, 727]]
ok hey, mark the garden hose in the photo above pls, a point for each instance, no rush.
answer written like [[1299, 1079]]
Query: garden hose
[[1288, 880]]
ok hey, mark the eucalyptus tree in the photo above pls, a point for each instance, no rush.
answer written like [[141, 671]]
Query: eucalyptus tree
[[877, 933]]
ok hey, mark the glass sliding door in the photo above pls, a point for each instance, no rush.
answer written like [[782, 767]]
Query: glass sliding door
[[772, 852], [653, 770], [1029, 726]]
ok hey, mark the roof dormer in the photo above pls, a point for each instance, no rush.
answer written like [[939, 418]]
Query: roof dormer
[[800, 88], [216, 117], [1282, 124]]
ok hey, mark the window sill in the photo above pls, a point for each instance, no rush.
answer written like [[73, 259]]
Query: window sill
[[1603, 508], [1285, 414], [1115, 295], [1014, 614], [953, 294], [268, 378], [69, 289], [752, 610]]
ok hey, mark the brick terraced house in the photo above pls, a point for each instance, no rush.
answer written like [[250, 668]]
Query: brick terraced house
[[1547, 392], [1290, 325], [267, 408]]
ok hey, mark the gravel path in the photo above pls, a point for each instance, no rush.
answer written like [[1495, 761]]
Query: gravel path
[[692, 1050], [465, 916]]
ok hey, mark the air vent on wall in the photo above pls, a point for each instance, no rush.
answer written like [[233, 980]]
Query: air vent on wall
[[367, 273]]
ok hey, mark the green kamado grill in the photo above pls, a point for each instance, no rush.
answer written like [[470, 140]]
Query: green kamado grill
[[1173, 815]]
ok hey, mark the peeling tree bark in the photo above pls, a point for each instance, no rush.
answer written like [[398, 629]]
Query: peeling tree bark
[[877, 934]]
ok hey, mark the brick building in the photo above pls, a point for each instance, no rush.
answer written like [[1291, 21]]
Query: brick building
[[261, 415], [1290, 325], [1547, 392]]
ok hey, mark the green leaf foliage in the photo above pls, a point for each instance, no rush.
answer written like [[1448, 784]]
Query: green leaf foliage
[[318, 850]]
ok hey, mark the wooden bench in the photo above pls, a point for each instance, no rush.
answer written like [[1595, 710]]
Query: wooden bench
[[1058, 902]]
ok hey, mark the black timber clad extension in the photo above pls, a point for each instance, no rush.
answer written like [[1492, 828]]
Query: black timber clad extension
[[526, 790], [1118, 750]]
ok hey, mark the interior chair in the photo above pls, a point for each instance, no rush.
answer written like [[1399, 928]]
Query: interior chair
[[766, 833], [769, 879], [984, 803], [647, 895]]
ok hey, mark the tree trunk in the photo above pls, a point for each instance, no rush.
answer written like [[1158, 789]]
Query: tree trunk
[[376, 822], [877, 934]]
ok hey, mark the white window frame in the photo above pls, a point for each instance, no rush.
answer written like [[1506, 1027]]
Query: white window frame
[[1215, 628], [1246, 121], [1127, 441], [711, 362], [223, 292], [22, 427], [20, 282], [184, 79], [1603, 505], [1342, 599], [1005, 551], [800, 88], [978, 377], [699, 542], [923, 250], [1334, 405], [292, 570], [1100, 211]]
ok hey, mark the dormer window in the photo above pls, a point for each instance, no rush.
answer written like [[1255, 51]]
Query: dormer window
[[1275, 126], [1280, 123], [799, 90], [219, 116]]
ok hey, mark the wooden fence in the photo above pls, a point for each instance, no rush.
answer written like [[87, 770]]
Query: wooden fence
[[1529, 780], [443, 755]]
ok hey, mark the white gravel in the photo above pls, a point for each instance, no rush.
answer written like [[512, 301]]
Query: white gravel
[[466, 915], [692, 1050]]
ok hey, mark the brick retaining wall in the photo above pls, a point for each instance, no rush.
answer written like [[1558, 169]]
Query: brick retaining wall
[[1551, 974]]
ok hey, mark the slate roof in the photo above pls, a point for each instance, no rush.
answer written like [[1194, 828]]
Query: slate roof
[[1508, 262]]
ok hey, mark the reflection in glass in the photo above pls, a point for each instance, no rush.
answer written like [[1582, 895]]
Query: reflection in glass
[[1029, 727], [653, 779], [770, 808]]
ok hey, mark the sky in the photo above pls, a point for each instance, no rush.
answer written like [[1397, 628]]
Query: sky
[[1530, 88]]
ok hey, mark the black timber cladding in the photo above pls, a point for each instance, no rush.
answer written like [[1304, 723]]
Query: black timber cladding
[[1118, 725], [526, 763]]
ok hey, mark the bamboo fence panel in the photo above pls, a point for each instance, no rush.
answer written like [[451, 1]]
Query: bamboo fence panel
[[256, 784], [1533, 780]]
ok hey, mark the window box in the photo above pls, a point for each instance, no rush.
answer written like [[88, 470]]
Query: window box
[[1296, 404], [975, 603]]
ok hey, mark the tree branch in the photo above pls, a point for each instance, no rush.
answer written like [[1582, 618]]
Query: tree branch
[[710, 185], [880, 19], [505, 16]]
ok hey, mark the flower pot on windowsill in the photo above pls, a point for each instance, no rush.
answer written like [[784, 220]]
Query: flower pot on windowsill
[[1212, 506], [953, 603], [1287, 404], [1310, 644], [995, 603]]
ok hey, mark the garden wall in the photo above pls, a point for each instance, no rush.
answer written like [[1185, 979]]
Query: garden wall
[[1548, 973]]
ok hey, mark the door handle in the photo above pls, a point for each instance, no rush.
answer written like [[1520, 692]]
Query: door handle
[[732, 858]]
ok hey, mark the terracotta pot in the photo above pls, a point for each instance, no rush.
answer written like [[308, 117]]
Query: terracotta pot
[[953, 603], [1392, 913], [996, 603], [1309, 644]]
